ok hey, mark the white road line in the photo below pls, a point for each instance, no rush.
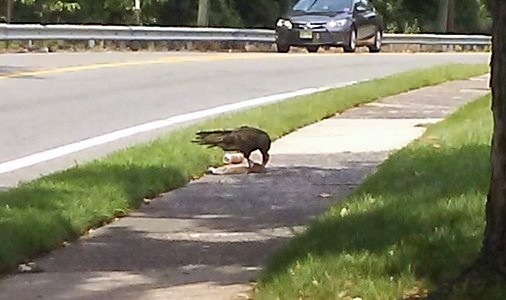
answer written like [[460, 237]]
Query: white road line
[[50, 154]]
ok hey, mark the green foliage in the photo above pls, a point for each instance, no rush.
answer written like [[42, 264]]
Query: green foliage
[[409, 16], [471, 16], [224, 12]]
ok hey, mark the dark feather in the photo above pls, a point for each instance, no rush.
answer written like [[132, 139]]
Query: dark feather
[[243, 139]]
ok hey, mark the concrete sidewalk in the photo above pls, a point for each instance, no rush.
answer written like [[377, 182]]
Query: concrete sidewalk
[[209, 239]]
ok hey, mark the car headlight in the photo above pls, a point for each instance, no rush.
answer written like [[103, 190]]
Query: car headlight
[[337, 23], [284, 23]]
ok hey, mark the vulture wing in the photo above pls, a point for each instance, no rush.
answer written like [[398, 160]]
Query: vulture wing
[[225, 139], [243, 139]]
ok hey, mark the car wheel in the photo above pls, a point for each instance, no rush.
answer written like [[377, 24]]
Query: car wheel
[[283, 48], [312, 49], [352, 42], [378, 40]]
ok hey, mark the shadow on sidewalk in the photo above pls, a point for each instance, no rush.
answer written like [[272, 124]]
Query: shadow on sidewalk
[[218, 230]]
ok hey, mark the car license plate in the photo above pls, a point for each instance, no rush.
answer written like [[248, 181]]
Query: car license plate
[[306, 34]]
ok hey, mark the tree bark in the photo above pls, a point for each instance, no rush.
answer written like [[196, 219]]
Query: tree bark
[[490, 266], [10, 5], [450, 25], [203, 13], [443, 15], [493, 253], [137, 12]]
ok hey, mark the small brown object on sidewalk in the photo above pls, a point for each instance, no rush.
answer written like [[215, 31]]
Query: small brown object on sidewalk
[[237, 169]]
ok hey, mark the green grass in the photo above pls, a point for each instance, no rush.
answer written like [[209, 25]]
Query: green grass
[[414, 224], [39, 215]]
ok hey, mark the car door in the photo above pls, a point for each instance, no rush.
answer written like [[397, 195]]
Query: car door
[[360, 21], [370, 19]]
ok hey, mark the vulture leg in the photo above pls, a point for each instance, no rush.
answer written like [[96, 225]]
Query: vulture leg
[[265, 158], [250, 162]]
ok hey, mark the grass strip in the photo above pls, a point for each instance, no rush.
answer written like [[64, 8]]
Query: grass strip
[[417, 222], [39, 215]]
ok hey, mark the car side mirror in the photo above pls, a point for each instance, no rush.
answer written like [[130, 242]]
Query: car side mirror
[[359, 8]]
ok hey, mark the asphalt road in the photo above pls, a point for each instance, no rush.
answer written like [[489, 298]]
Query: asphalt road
[[52, 100]]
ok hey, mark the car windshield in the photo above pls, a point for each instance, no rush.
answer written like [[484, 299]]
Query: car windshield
[[322, 6]]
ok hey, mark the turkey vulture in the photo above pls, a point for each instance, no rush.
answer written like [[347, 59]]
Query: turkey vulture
[[244, 139]]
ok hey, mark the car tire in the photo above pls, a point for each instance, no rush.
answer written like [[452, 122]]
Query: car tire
[[282, 48], [312, 49], [352, 42], [378, 41]]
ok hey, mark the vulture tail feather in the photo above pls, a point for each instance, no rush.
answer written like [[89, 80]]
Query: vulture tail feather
[[214, 138]]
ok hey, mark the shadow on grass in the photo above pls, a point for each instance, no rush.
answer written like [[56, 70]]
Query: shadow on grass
[[215, 231], [427, 204], [39, 215]]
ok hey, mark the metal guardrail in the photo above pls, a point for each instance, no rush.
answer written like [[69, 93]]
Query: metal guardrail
[[145, 33], [438, 39], [130, 33]]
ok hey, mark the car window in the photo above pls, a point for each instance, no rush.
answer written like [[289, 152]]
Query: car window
[[366, 4], [363, 4], [323, 5]]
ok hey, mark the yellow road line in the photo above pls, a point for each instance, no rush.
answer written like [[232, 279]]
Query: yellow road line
[[165, 60], [90, 67], [175, 60]]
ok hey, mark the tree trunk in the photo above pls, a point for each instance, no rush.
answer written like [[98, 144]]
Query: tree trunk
[[493, 254], [443, 15], [137, 12], [10, 4], [450, 25], [203, 13]]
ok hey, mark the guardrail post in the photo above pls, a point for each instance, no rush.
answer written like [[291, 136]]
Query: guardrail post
[[122, 45], [151, 46]]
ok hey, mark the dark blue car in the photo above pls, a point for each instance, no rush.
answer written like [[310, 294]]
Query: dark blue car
[[332, 23]]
